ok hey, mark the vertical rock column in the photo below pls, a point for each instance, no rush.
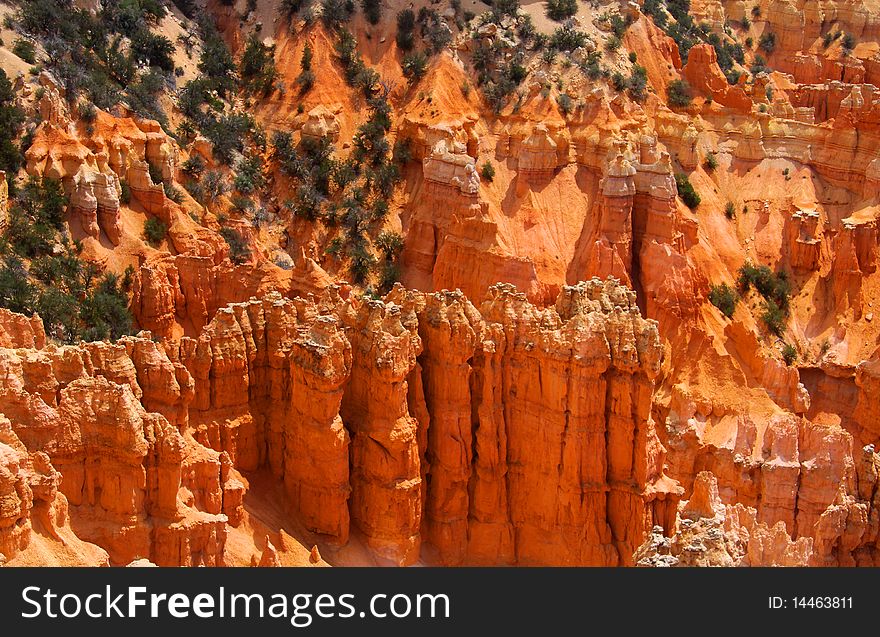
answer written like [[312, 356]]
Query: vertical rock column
[[385, 480], [316, 471], [490, 532], [446, 325]]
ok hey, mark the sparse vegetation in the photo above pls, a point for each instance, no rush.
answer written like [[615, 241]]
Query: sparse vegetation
[[565, 103], [11, 120], [258, 66], [155, 230], [25, 50], [730, 210], [560, 10], [725, 298], [711, 162], [372, 10], [306, 77], [789, 354], [406, 24], [75, 301], [678, 92], [686, 191], [774, 287], [238, 249], [638, 82], [773, 317], [767, 42], [414, 66], [487, 171]]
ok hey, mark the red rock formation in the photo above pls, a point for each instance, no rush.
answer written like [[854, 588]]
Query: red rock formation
[[136, 486], [705, 76], [712, 534]]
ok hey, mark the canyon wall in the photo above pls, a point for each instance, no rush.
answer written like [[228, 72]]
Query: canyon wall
[[411, 421]]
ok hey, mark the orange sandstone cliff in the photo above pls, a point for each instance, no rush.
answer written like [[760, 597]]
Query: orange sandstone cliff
[[553, 379]]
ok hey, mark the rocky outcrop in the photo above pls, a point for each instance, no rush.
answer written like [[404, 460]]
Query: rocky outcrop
[[493, 493], [136, 485], [710, 533], [321, 123], [33, 508], [181, 293], [413, 418], [17, 331], [705, 76]]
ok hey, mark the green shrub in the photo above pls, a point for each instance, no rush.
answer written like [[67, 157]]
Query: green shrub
[[16, 292], [434, 29], [686, 191], [848, 43], [87, 112], [174, 193], [487, 171], [567, 38], [679, 93], [249, 175], [789, 354], [560, 10], [155, 230], [306, 78], [125, 192], [291, 7], [372, 10], [36, 214], [25, 50], [390, 244], [414, 66], [389, 275], [637, 83], [11, 119], [335, 13], [406, 24], [619, 25], [152, 49], [104, 313], [711, 162], [770, 285], [773, 317], [194, 166], [238, 248], [566, 104], [767, 42], [730, 210], [257, 67], [724, 298]]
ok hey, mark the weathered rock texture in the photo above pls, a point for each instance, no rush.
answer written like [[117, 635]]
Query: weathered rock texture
[[136, 482], [712, 534], [505, 435]]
